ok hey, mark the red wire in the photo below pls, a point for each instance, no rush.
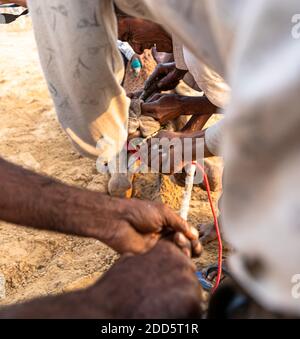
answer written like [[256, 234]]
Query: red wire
[[216, 222]]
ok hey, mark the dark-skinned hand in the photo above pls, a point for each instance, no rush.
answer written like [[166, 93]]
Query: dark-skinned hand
[[165, 77], [127, 226], [164, 107], [164, 152], [160, 284]]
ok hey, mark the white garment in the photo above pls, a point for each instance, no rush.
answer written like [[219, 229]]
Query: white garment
[[214, 137], [212, 84], [126, 50], [262, 155], [77, 42]]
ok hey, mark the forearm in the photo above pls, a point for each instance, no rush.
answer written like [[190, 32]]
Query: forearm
[[37, 201], [198, 106], [196, 137], [75, 305]]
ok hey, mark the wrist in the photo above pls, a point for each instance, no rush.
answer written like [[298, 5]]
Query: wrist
[[193, 105], [198, 146], [184, 103], [180, 72], [89, 214]]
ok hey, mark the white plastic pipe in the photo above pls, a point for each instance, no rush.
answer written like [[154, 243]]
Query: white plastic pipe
[[189, 184]]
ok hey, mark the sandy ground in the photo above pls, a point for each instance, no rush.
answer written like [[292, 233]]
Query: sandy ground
[[36, 263]]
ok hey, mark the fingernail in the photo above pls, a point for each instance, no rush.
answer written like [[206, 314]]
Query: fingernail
[[197, 247]]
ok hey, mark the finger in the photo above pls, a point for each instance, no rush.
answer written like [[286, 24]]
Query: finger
[[181, 240], [155, 76], [149, 92], [134, 95], [196, 248], [125, 257], [167, 81], [183, 243], [151, 115], [175, 222], [155, 97], [150, 98], [167, 249], [149, 107]]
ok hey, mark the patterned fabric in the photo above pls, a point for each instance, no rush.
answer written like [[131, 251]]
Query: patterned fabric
[[126, 50], [77, 42]]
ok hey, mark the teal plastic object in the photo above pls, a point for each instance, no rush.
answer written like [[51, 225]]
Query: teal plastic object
[[136, 66]]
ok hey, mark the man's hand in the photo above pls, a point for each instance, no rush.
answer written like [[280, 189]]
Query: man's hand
[[165, 152], [165, 77], [128, 226], [169, 152], [160, 284], [164, 107], [135, 226]]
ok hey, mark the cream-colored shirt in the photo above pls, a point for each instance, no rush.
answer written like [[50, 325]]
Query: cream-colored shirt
[[210, 82], [213, 86], [77, 42]]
